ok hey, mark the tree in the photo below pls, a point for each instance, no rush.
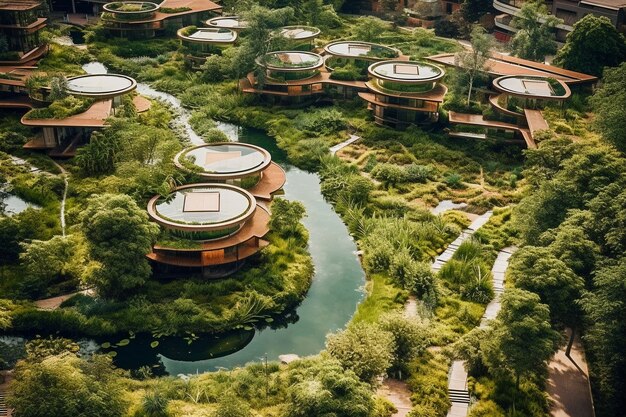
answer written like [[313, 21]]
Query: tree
[[606, 336], [473, 10], [473, 61], [534, 38], [522, 340], [537, 270], [100, 154], [447, 28], [119, 235], [364, 349], [369, 28], [409, 336], [70, 386], [609, 104], [286, 217], [592, 45], [319, 387]]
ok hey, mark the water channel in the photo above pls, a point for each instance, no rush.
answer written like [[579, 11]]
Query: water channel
[[336, 290]]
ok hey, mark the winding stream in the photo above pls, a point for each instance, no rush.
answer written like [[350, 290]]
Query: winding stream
[[337, 285]]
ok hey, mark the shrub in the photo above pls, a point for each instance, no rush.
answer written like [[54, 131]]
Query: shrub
[[389, 174], [418, 173], [363, 348]]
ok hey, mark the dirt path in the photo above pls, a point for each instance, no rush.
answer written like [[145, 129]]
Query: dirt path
[[399, 394], [55, 302], [568, 383]]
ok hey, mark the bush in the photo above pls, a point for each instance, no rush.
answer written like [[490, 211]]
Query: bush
[[321, 122], [389, 174]]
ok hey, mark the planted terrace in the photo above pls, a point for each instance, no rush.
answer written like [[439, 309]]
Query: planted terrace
[[129, 10], [235, 23], [290, 65]]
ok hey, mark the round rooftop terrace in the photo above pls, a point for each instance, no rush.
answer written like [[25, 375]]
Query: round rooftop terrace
[[215, 36], [228, 22], [406, 72], [131, 7], [291, 61], [203, 207], [358, 49], [100, 85], [299, 33], [532, 87], [224, 160]]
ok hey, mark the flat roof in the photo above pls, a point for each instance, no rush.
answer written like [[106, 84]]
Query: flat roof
[[356, 49], [536, 87], [130, 7], [225, 160], [291, 61], [203, 207], [299, 32], [100, 85], [500, 64], [406, 71], [228, 22], [210, 35]]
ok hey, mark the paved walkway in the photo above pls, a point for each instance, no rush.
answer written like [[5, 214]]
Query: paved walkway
[[340, 146], [399, 394], [457, 381], [55, 302], [446, 255], [498, 271], [568, 383]]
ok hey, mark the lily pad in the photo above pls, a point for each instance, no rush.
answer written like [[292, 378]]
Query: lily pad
[[123, 342], [105, 345], [112, 353], [154, 344]]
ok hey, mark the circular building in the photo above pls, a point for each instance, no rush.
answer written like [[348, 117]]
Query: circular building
[[290, 65], [241, 164], [202, 42], [339, 53], [210, 226], [228, 22], [300, 37], [130, 19], [402, 93]]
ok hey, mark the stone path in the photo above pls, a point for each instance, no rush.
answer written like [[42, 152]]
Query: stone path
[[340, 146], [446, 255], [446, 205], [568, 383], [498, 271], [457, 382], [399, 394]]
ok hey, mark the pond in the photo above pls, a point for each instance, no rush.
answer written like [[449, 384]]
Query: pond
[[11, 204], [335, 292]]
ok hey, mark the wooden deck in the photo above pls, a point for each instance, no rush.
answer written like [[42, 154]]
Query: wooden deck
[[479, 120], [272, 180], [95, 116]]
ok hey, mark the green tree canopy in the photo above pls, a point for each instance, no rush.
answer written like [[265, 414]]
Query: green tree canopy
[[66, 386], [536, 269], [119, 235], [472, 10], [319, 387], [534, 38], [409, 336], [369, 28], [609, 104], [522, 340], [363, 348], [472, 62], [594, 44], [286, 217]]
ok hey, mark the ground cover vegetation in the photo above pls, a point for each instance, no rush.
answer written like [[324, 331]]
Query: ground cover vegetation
[[382, 187]]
